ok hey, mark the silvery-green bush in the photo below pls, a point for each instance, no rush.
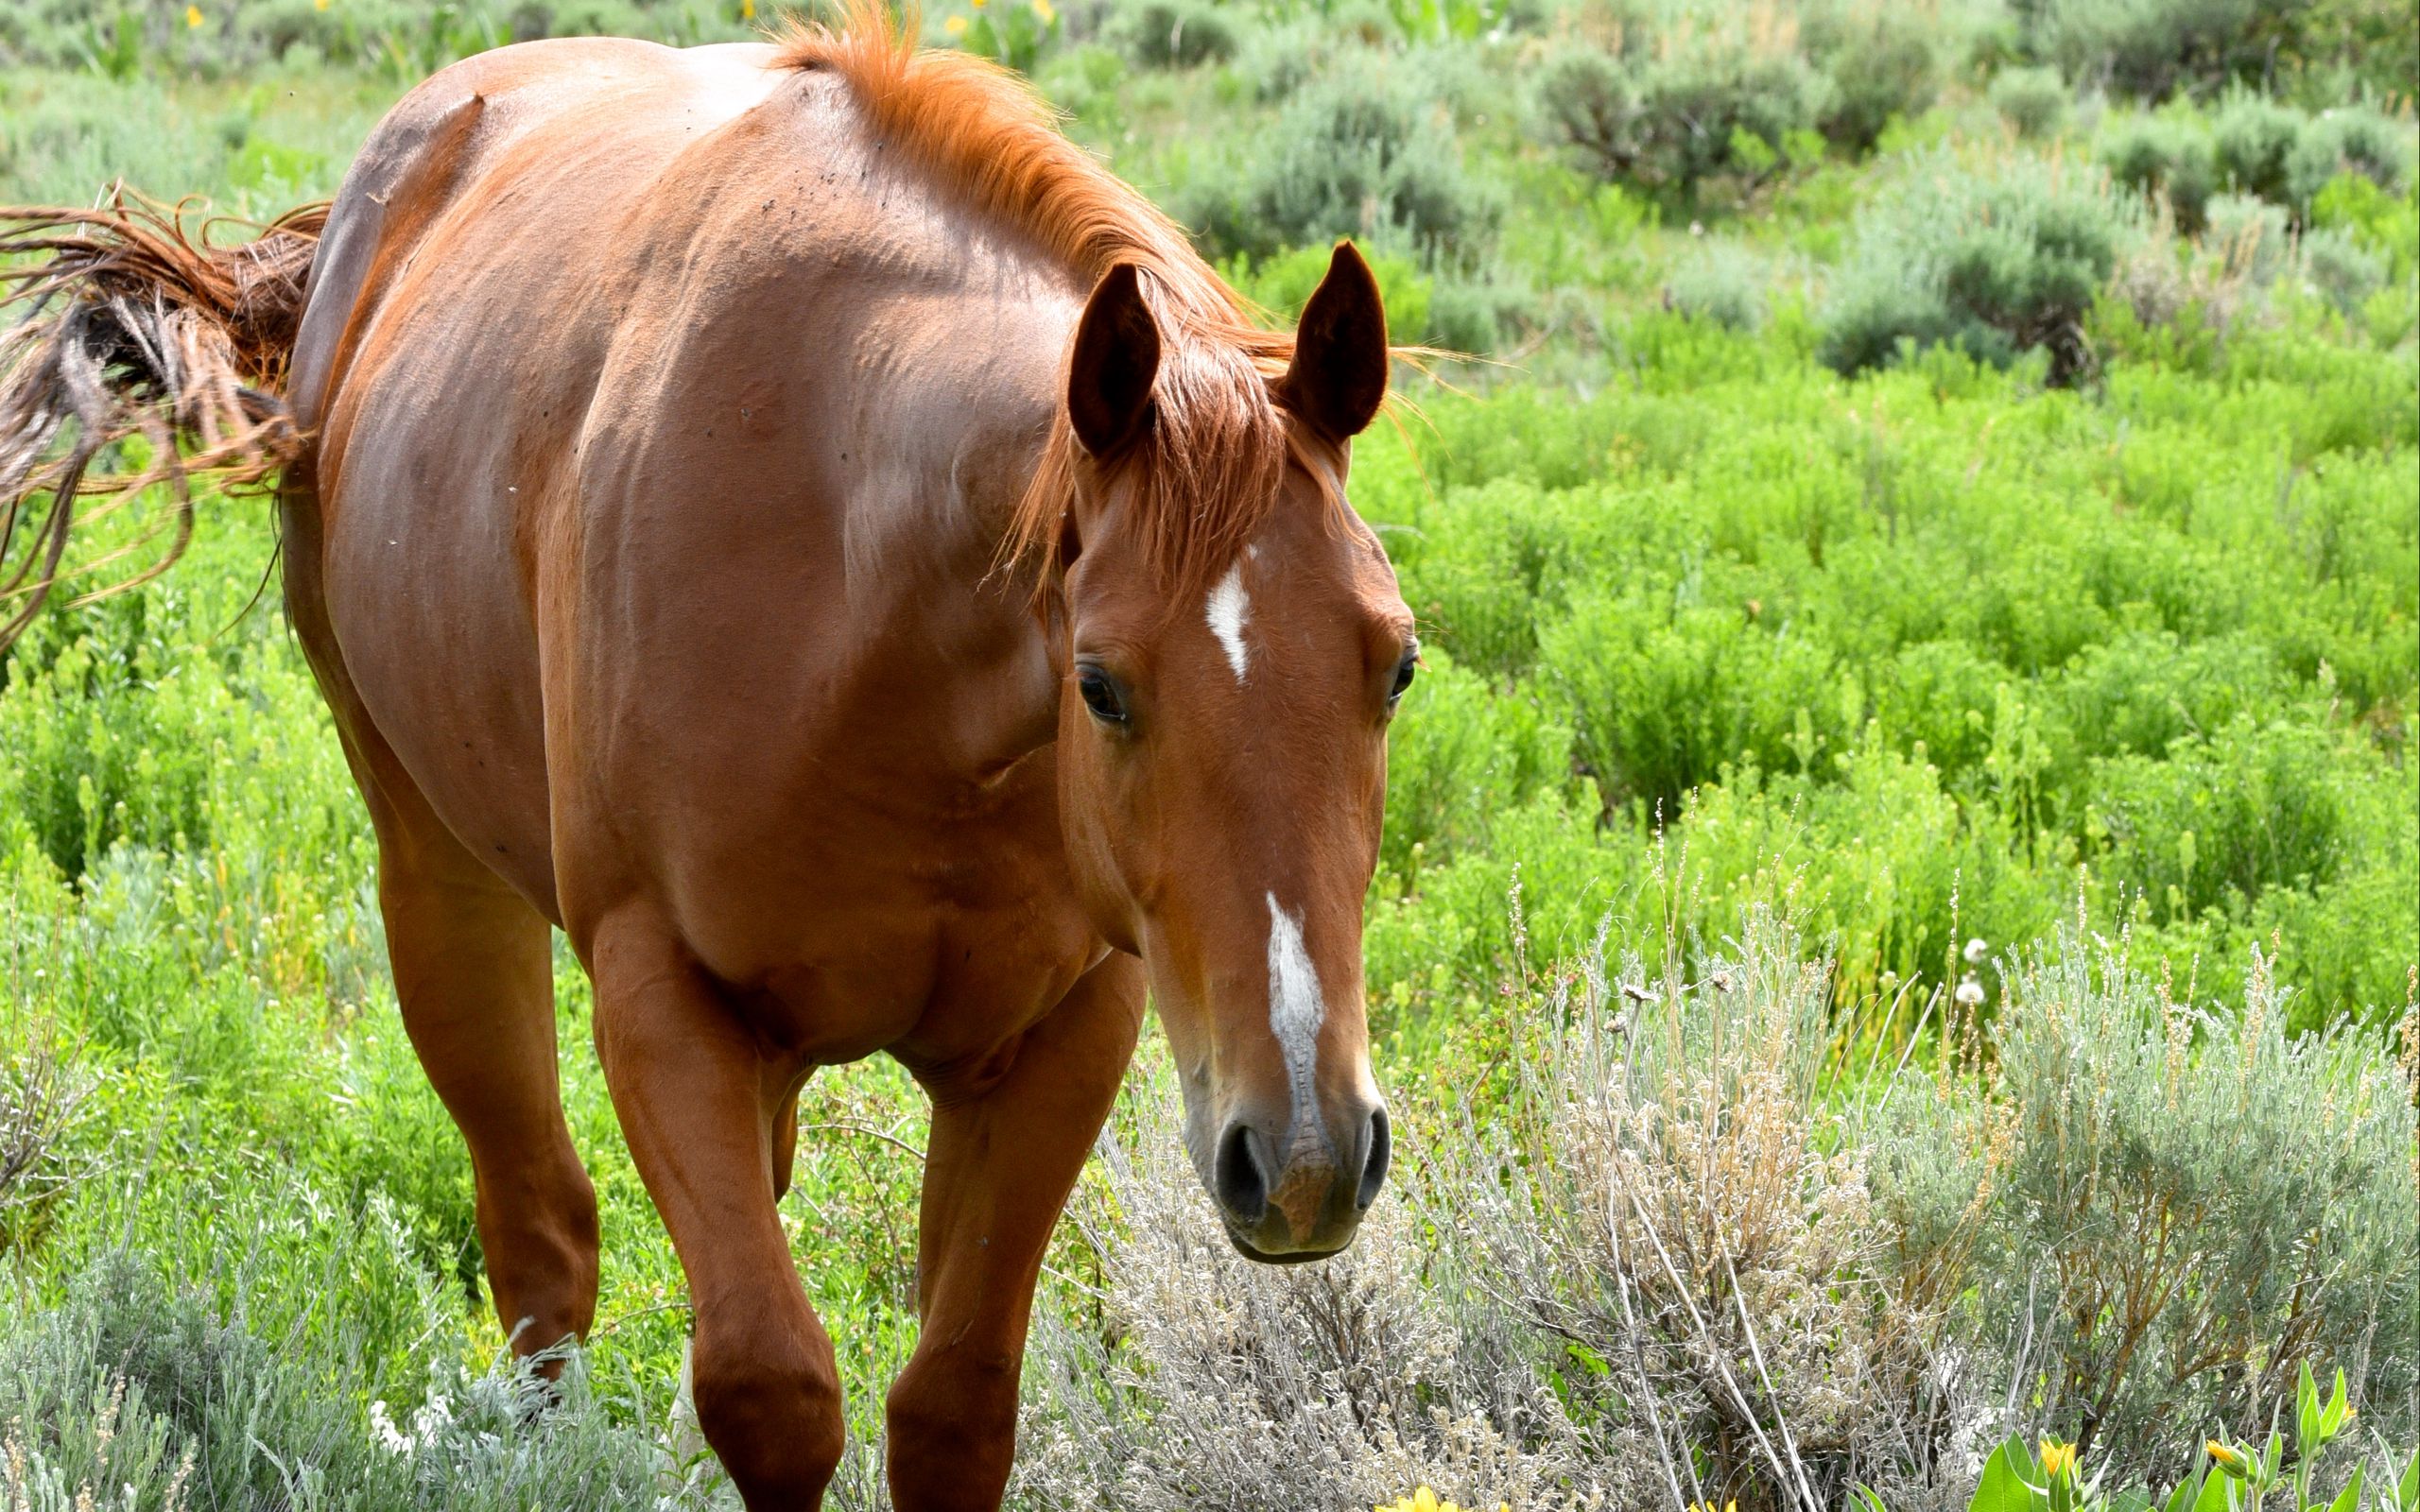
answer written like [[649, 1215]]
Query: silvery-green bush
[[1367, 151], [1682, 97], [2165, 1210], [1721, 282], [2034, 101], [309, 1367], [1993, 259], [1193, 1378]]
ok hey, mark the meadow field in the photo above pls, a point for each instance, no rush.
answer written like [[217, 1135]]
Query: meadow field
[[1899, 920]]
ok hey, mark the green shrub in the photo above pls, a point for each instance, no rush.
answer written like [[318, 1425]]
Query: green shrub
[[1360, 153], [1173, 33], [2142, 691], [2351, 139], [2034, 101], [1283, 285], [2223, 818], [2385, 223], [1663, 698], [1721, 282], [1456, 757], [2168, 157], [2341, 269], [1992, 264], [2255, 139], [2149, 50], [1882, 62], [1714, 100]]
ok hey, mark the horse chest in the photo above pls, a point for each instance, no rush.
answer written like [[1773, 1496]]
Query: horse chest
[[938, 940]]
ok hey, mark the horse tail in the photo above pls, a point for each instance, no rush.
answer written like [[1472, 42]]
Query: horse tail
[[146, 343]]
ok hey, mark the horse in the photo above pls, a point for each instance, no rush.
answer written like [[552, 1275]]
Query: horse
[[783, 515]]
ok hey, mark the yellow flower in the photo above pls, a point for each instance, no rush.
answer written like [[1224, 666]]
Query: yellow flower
[[193, 18], [747, 9], [318, 5], [1045, 11], [2057, 1458], [2230, 1460], [955, 25]]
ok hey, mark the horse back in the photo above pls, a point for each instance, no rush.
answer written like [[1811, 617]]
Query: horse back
[[665, 433]]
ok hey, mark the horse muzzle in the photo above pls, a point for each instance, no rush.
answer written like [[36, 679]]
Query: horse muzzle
[[1304, 1203]]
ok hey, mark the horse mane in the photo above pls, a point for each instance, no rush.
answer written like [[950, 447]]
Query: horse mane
[[1210, 465]]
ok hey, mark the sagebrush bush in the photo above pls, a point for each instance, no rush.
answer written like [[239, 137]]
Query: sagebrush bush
[[2251, 237], [2340, 268], [235, 1384], [2254, 138], [1882, 63], [2255, 147], [46, 1094], [1173, 33], [1721, 282], [2347, 140], [1672, 105], [2151, 49], [2034, 101], [1195, 1378], [1661, 1189], [2174, 1223], [1993, 262], [1362, 152], [2168, 157]]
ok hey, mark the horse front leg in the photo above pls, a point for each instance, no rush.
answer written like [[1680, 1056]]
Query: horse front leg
[[999, 1165], [696, 1096]]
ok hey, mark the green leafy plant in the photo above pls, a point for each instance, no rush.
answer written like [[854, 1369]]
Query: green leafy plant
[[1014, 32]]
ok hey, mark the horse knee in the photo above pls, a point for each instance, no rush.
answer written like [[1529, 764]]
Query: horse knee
[[771, 1409], [952, 1422], [540, 1231]]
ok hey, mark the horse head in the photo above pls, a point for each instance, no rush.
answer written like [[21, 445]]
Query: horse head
[[1232, 648]]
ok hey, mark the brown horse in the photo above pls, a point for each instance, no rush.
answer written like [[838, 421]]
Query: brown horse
[[786, 517]]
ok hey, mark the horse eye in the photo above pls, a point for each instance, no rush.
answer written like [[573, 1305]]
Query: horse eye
[[1101, 695], [1403, 675]]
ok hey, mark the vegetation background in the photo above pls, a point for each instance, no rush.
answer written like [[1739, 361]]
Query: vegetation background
[[1902, 886]]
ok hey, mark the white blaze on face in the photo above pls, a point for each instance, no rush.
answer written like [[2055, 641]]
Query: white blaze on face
[[1296, 1011], [1226, 613]]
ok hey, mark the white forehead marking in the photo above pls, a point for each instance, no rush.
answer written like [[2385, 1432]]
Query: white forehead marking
[[1296, 1012], [1226, 612]]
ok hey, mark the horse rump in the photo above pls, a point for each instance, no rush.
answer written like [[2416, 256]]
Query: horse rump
[[135, 330]]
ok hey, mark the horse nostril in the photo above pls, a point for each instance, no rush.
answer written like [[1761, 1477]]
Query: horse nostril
[[1242, 1186], [1373, 1170]]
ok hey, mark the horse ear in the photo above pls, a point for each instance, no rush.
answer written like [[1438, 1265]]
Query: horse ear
[[1338, 376], [1117, 356]]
